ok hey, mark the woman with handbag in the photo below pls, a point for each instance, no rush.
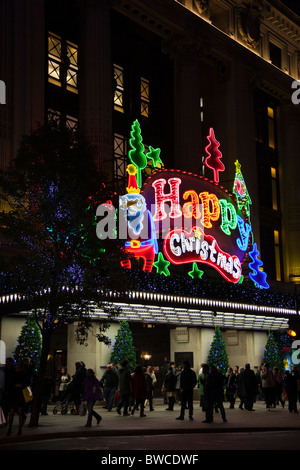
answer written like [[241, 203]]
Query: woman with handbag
[[91, 393], [16, 400]]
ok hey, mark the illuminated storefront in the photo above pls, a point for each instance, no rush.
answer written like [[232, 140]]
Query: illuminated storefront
[[219, 187]]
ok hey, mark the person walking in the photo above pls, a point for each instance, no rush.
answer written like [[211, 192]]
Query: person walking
[[125, 387], [218, 391], [188, 380], [139, 390], [163, 372], [91, 393], [268, 385], [278, 387], [16, 402], [290, 384], [178, 375], [239, 390], [260, 395], [77, 384], [109, 383], [231, 387], [170, 387], [151, 380], [200, 386], [208, 394], [9, 371], [248, 384], [64, 379]]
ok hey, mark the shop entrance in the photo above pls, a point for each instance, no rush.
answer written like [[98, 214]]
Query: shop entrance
[[152, 344]]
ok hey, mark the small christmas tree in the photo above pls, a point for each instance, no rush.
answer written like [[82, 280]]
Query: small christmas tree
[[257, 276], [273, 353], [217, 355], [213, 160], [29, 343], [240, 190], [123, 347]]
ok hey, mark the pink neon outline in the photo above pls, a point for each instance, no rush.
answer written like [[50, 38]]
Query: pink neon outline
[[207, 238]]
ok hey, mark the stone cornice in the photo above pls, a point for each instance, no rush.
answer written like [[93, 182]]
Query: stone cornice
[[169, 19], [282, 23]]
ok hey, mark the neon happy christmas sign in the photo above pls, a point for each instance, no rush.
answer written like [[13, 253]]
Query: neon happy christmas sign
[[180, 218], [198, 221]]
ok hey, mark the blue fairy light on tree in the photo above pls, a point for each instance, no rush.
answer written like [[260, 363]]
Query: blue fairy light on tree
[[123, 348], [29, 343], [217, 355]]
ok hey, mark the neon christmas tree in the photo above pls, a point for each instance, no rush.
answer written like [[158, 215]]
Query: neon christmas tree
[[257, 276], [213, 160], [240, 190], [136, 155]]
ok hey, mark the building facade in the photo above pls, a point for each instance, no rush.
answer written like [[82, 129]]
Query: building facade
[[180, 68]]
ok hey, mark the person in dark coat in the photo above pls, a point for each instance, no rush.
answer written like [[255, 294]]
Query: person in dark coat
[[170, 386], [139, 390], [218, 391], [163, 372], [207, 383], [77, 384], [109, 382], [248, 387], [9, 371], [125, 387], [91, 393], [188, 380], [290, 385], [16, 401], [231, 387], [151, 380]]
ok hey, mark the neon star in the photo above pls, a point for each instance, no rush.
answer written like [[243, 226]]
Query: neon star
[[153, 154], [198, 233], [196, 273], [161, 265], [238, 166]]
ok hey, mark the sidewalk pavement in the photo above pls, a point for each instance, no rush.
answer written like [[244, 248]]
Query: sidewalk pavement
[[159, 421]]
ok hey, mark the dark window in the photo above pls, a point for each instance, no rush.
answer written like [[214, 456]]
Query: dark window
[[275, 55]]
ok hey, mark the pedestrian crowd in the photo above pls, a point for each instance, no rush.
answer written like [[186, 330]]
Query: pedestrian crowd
[[129, 392]]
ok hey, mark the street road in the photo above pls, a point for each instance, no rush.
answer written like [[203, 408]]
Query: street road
[[273, 440]]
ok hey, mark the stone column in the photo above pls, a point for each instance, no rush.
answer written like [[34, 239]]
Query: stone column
[[6, 77], [289, 125], [95, 80], [22, 63], [186, 51]]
